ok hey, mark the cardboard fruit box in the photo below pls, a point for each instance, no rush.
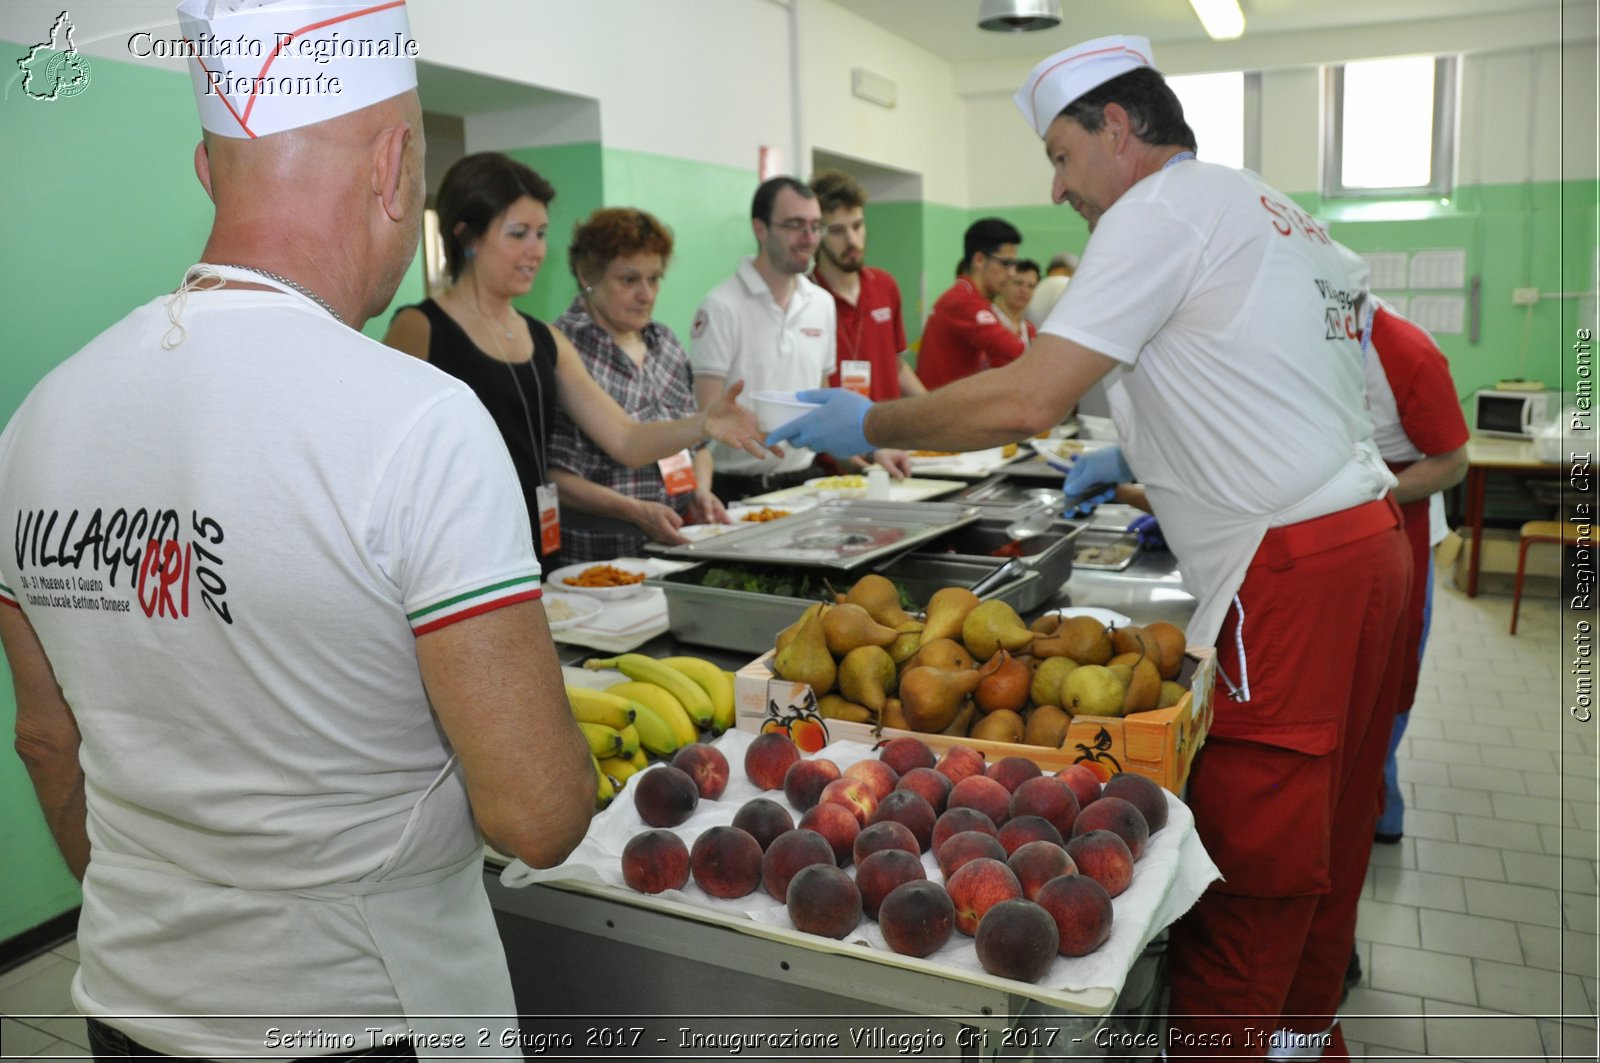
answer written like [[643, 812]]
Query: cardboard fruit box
[[1159, 744]]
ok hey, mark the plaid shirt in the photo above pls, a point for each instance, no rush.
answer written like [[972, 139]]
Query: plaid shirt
[[660, 390]]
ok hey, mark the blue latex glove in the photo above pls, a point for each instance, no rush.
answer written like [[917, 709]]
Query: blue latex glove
[[835, 427], [1095, 475], [1148, 531]]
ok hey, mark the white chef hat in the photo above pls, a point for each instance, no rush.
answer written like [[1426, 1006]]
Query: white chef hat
[[1065, 76], [264, 66]]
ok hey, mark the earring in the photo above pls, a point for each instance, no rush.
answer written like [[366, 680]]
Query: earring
[[588, 289], [471, 253]]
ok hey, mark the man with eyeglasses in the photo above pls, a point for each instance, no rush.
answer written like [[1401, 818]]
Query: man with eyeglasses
[[772, 327], [965, 335]]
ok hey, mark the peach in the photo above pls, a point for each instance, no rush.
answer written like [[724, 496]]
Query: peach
[[1104, 857], [655, 860], [1012, 772], [767, 760], [934, 786], [985, 795], [978, 886], [1118, 816], [882, 835], [1017, 939], [837, 825], [823, 900], [726, 862], [803, 782], [853, 795], [706, 766], [1049, 797], [1024, 829], [903, 754], [1142, 793], [961, 849], [881, 872], [959, 762], [1036, 863], [763, 819], [665, 796], [790, 852], [878, 776], [1081, 910], [910, 810], [956, 820], [917, 918], [1084, 782]]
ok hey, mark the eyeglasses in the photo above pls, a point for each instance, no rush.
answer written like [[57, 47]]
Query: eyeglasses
[[797, 226], [1008, 264]]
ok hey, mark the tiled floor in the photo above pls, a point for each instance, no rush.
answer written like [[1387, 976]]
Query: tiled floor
[[1478, 931]]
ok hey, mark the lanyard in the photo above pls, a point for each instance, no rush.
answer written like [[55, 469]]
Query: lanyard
[[1182, 156]]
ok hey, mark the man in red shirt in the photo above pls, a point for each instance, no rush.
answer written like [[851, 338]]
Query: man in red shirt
[[965, 335], [872, 332]]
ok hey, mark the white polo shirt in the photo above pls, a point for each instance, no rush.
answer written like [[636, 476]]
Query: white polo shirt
[[741, 333]]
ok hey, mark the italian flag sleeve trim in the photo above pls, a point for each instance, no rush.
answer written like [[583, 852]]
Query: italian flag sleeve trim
[[9, 597], [474, 603]]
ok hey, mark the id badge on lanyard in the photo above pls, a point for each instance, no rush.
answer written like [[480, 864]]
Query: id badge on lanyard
[[677, 473], [856, 376], [549, 509]]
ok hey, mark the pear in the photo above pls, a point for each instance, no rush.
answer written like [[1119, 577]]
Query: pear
[[893, 715], [1083, 638], [865, 675], [904, 646], [993, 626], [961, 726], [1046, 725], [1092, 690], [1144, 687], [879, 597], [805, 657], [847, 626], [834, 707], [1003, 725], [1172, 643], [930, 697], [1123, 672], [789, 632], [947, 608], [1131, 638], [1171, 694], [1046, 688], [1005, 684], [1129, 659], [1045, 623], [943, 653]]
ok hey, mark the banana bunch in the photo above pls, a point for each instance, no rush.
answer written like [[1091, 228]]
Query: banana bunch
[[701, 689]]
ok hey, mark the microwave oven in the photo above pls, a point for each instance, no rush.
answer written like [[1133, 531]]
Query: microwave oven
[[1513, 414]]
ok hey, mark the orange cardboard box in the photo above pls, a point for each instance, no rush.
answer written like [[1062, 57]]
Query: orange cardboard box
[[1159, 744]]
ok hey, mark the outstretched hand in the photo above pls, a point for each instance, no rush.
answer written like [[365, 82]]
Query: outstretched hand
[[728, 422], [835, 427]]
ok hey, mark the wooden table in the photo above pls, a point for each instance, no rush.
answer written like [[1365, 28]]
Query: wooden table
[[1486, 454]]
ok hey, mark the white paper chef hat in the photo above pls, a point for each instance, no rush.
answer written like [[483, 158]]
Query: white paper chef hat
[[264, 66], [1065, 76]]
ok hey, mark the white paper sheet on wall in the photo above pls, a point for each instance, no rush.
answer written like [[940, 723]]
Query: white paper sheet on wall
[[1398, 302], [1439, 269], [1444, 314], [1388, 269]]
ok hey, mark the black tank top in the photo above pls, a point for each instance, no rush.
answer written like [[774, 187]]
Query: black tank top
[[520, 396]]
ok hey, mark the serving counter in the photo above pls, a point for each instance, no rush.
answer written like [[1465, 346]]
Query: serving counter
[[599, 973]]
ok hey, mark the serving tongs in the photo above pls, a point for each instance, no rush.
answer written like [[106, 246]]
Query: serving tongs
[[1036, 517]]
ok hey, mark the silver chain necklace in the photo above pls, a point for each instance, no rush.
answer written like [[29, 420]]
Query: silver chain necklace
[[313, 296]]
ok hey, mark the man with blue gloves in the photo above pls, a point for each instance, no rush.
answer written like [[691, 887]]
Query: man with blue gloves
[[1232, 315]]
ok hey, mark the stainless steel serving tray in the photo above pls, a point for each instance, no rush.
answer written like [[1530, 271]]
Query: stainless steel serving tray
[[1106, 548], [1049, 553], [844, 534]]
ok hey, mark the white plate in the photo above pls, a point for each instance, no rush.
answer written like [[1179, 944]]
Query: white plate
[[821, 483], [557, 581], [1105, 616], [582, 609], [1061, 451]]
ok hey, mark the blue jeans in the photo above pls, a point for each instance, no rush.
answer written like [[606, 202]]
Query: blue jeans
[[111, 1045], [1393, 818]]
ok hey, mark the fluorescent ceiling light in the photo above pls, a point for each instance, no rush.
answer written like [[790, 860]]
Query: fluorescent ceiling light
[[1019, 16], [1222, 19]]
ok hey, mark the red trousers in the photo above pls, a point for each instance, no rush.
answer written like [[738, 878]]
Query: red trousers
[[1285, 793]]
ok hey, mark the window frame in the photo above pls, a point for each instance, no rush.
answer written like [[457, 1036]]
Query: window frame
[[1441, 161], [1249, 118]]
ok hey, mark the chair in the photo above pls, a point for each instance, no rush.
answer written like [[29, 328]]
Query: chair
[[1537, 531]]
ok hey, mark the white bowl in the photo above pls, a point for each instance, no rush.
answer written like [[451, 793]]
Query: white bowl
[[580, 609], [557, 581], [774, 409]]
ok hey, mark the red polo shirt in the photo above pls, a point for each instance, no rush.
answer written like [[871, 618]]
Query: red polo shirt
[[963, 336], [871, 331]]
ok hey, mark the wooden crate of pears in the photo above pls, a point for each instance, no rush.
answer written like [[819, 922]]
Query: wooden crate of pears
[[1059, 691]]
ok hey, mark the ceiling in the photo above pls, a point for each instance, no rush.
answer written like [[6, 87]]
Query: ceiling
[[949, 28]]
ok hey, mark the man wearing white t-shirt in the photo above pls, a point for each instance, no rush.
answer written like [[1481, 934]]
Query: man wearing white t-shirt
[[273, 615], [1241, 407]]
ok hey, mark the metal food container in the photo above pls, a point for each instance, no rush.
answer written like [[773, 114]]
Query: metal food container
[[841, 535], [748, 621], [1105, 548], [1048, 553]]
